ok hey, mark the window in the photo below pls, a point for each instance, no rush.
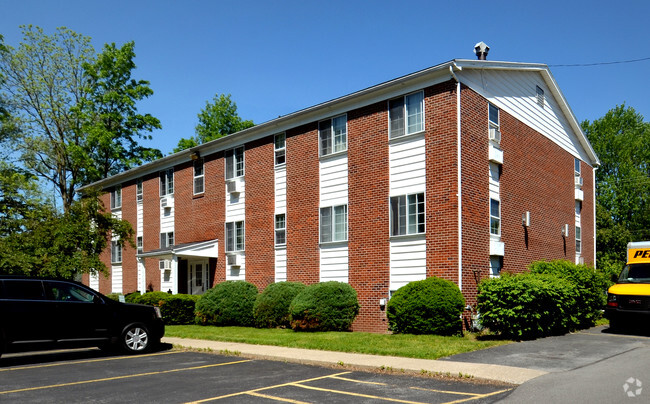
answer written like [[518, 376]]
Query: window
[[576, 166], [138, 190], [332, 134], [235, 236], [116, 197], [406, 115], [495, 171], [334, 224], [407, 214], [496, 264], [493, 116], [167, 182], [139, 244], [166, 239], [578, 240], [116, 252], [280, 149], [280, 229], [495, 217], [540, 96], [235, 163], [198, 176], [578, 208]]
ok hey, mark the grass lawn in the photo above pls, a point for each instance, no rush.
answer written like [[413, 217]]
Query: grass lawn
[[411, 346]]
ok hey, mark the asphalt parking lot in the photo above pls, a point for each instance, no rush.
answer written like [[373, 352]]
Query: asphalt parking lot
[[173, 376]]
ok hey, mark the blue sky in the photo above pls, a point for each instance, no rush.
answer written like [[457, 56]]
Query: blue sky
[[277, 57]]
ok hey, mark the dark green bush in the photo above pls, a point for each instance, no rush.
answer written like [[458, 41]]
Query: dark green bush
[[114, 296], [176, 309], [271, 307], [325, 306], [130, 297], [527, 306], [429, 306], [228, 303], [589, 286]]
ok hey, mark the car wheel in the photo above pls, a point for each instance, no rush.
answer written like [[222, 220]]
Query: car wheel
[[136, 339]]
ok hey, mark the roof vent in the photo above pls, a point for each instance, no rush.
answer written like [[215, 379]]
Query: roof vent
[[481, 50]]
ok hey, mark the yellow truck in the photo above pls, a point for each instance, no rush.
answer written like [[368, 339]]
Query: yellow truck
[[628, 301]]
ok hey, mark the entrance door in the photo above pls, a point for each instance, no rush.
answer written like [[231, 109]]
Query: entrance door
[[197, 279]]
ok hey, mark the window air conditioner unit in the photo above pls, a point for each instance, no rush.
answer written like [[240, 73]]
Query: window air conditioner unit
[[165, 264], [138, 197], [233, 187], [163, 202], [565, 230], [578, 181], [495, 135], [234, 260]]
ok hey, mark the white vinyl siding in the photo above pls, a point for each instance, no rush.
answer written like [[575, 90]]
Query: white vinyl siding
[[280, 264], [407, 165], [334, 180], [408, 261], [280, 189], [116, 279], [334, 263]]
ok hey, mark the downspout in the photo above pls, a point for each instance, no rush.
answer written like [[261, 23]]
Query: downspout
[[593, 196], [458, 183]]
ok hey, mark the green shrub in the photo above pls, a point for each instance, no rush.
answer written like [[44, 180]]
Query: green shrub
[[325, 306], [271, 307], [429, 306], [114, 296], [589, 287], [228, 303], [527, 306], [130, 297], [175, 309]]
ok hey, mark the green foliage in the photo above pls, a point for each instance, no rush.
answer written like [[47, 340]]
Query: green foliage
[[176, 309], [325, 306], [114, 296], [589, 287], [429, 306], [216, 120], [152, 298], [527, 306], [271, 307], [228, 303], [620, 140]]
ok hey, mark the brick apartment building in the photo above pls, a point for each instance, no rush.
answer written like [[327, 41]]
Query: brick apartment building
[[461, 170]]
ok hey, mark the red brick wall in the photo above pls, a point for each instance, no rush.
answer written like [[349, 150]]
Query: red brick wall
[[129, 261], [587, 215], [368, 214], [151, 228]]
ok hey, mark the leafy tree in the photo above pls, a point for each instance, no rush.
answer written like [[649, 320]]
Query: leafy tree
[[75, 110], [216, 120], [620, 139]]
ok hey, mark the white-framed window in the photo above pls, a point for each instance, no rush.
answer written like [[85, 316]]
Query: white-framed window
[[334, 223], [139, 244], [541, 100], [496, 264], [495, 217], [578, 208], [166, 239], [116, 252], [280, 229], [332, 135], [235, 162], [407, 214], [138, 190], [116, 197], [578, 240], [576, 167], [406, 115], [199, 176], [235, 236], [493, 116], [280, 149], [167, 182]]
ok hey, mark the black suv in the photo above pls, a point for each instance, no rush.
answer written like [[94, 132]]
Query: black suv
[[41, 313]]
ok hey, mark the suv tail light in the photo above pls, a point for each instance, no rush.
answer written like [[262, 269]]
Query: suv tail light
[[157, 310]]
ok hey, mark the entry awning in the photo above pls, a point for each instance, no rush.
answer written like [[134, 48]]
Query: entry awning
[[203, 249]]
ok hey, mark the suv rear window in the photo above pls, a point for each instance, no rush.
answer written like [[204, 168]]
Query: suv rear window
[[23, 290]]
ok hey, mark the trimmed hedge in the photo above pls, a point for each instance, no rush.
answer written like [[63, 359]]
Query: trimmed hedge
[[589, 286], [176, 309], [325, 306], [228, 303], [429, 306], [271, 307], [527, 306]]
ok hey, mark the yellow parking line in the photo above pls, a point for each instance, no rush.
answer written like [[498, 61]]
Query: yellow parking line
[[121, 377], [266, 388], [396, 400], [357, 381], [286, 400], [464, 400], [86, 361], [446, 391]]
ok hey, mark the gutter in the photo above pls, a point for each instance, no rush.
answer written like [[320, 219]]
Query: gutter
[[458, 179]]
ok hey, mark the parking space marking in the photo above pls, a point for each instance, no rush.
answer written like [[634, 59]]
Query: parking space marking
[[464, 400], [357, 381], [286, 400], [460, 393], [122, 377], [86, 361], [205, 400], [348, 393]]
